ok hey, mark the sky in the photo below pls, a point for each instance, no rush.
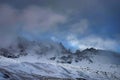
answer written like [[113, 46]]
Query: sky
[[78, 24]]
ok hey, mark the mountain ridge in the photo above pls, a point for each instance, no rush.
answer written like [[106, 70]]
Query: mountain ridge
[[53, 50], [43, 60]]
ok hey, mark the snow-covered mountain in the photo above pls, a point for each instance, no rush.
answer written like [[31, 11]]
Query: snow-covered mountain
[[40, 60]]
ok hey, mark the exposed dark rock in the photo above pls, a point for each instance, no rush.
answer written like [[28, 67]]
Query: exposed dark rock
[[80, 79], [52, 58], [6, 53], [76, 60], [90, 50]]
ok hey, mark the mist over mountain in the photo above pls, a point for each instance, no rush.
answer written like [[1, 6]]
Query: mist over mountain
[[59, 39], [56, 50], [49, 59]]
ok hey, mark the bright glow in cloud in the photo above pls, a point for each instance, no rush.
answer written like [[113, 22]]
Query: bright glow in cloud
[[92, 41], [54, 39]]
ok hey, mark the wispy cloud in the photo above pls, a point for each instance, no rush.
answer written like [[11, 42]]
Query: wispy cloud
[[32, 19], [92, 41], [41, 19], [80, 27]]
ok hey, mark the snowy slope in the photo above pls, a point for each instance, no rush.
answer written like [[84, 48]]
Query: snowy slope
[[19, 68], [98, 56], [36, 60]]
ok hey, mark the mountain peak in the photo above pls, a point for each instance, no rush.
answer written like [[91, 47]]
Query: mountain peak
[[90, 49]]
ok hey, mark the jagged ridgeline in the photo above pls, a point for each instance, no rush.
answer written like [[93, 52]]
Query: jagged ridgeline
[[23, 46], [55, 51], [43, 60]]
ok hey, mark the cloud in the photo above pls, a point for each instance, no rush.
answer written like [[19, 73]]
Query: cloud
[[80, 27], [8, 16], [32, 19], [8, 20], [54, 39], [40, 19], [92, 41], [78, 17]]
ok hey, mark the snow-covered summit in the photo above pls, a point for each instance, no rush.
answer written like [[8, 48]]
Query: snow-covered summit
[[35, 59], [56, 52]]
